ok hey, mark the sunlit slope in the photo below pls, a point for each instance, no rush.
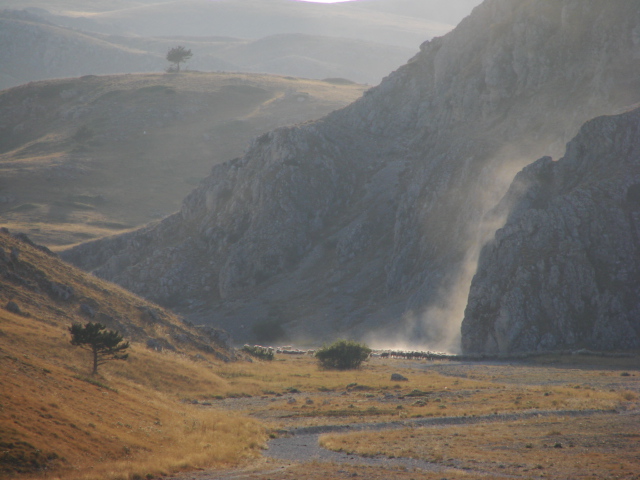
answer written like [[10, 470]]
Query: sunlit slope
[[131, 418], [87, 157]]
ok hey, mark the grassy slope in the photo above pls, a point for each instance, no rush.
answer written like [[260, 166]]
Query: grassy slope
[[139, 417], [131, 419], [154, 136]]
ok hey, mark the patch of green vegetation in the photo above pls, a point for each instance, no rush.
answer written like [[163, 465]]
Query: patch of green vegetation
[[22, 457], [259, 352], [417, 393], [342, 355]]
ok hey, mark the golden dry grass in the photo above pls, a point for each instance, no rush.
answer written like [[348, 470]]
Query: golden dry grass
[[368, 394], [600, 446], [138, 417], [130, 420]]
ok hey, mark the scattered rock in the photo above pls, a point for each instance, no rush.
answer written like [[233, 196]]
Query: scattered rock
[[87, 311], [13, 307], [59, 291]]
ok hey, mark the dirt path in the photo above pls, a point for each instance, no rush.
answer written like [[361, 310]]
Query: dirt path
[[301, 445]]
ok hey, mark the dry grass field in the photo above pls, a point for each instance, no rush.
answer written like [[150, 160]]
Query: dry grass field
[[580, 417], [185, 409], [87, 157], [131, 420]]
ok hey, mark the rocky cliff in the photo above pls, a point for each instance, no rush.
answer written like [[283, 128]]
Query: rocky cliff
[[368, 219], [564, 271]]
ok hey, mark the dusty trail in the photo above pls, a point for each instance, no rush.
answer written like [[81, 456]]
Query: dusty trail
[[301, 445]]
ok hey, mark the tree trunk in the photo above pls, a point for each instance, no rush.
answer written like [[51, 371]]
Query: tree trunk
[[95, 362]]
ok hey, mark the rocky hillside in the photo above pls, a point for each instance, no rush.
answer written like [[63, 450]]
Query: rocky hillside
[[565, 268], [37, 285], [369, 220]]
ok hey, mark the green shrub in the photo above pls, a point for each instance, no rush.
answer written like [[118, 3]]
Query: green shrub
[[259, 352], [343, 355]]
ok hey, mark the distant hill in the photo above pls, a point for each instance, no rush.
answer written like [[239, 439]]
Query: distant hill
[[91, 156], [34, 47], [404, 24]]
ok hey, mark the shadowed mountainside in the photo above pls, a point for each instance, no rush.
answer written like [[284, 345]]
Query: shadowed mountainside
[[371, 218]]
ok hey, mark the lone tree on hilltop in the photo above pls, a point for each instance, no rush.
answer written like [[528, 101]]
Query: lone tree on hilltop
[[104, 344], [178, 55], [343, 355]]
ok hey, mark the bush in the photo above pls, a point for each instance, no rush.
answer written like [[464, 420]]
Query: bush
[[257, 351], [343, 355]]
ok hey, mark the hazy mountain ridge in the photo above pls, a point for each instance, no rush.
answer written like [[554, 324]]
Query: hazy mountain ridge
[[349, 223], [564, 269], [34, 48]]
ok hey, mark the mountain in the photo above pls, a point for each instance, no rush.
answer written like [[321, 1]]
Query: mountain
[[87, 157], [34, 47], [564, 271], [368, 222], [406, 26]]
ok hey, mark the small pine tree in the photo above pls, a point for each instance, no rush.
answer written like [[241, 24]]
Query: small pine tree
[[178, 55], [104, 344], [343, 355]]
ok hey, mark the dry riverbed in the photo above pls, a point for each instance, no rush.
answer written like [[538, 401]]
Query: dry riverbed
[[556, 417]]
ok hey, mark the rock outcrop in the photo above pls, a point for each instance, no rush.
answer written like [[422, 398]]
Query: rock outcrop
[[367, 219], [564, 272]]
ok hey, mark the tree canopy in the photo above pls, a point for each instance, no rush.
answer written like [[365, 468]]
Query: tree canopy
[[104, 344], [178, 55], [343, 355]]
